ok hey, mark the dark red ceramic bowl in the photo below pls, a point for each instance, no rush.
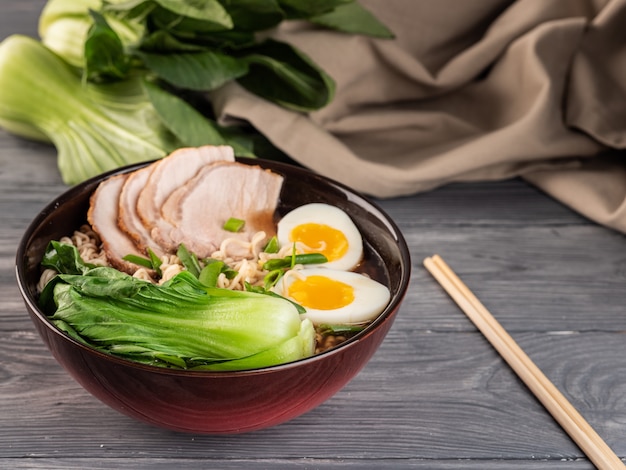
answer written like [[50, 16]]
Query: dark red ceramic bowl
[[221, 402]]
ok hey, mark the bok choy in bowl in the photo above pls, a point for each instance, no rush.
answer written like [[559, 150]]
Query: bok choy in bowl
[[205, 319]]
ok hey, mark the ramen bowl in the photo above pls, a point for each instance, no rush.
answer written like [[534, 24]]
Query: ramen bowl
[[230, 402]]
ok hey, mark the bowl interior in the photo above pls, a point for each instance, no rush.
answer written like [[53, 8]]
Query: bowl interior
[[386, 256]]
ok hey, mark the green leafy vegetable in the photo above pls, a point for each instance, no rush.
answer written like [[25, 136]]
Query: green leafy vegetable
[[297, 347], [206, 70], [191, 127], [207, 10], [255, 15], [280, 73], [306, 9], [181, 324], [354, 19], [64, 258], [104, 52]]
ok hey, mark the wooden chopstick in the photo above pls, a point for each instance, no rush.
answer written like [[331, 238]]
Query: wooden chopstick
[[559, 407]]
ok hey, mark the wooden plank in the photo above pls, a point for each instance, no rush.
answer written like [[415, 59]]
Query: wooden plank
[[20, 17], [532, 278], [507, 203], [149, 463]]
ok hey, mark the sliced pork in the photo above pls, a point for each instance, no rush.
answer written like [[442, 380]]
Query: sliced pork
[[172, 172], [184, 198], [128, 218], [219, 192], [103, 216]]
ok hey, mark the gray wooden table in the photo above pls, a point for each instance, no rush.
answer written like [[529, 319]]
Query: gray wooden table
[[435, 396]]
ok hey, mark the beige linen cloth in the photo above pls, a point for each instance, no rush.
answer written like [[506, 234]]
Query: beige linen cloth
[[468, 90]]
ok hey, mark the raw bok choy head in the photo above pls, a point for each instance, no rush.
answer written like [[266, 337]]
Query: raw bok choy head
[[181, 324], [95, 127]]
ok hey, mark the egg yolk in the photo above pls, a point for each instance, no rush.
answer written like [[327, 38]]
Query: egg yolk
[[321, 238], [321, 293]]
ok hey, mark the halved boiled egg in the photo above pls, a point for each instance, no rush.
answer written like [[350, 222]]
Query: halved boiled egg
[[322, 228], [334, 297]]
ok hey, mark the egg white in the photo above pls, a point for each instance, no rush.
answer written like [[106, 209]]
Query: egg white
[[370, 297], [332, 216]]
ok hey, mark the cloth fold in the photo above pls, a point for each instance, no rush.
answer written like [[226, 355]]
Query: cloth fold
[[467, 91]]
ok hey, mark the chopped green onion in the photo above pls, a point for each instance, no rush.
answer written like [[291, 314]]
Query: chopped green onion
[[189, 260], [229, 272], [250, 288], [156, 261], [291, 261], [272, 278], [272, 246], [293, 256], [153, 262], [209, 274], [234, 225], [226, 270], [340, 329], [138, 260]]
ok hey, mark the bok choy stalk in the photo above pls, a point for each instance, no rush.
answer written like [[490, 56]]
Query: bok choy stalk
[[181, 324], [95, 127]]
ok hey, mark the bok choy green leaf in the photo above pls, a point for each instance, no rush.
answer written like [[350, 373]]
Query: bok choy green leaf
[[354, 19], [181, 324]]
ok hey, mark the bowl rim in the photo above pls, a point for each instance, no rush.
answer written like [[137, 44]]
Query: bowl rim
[[390, 309]]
